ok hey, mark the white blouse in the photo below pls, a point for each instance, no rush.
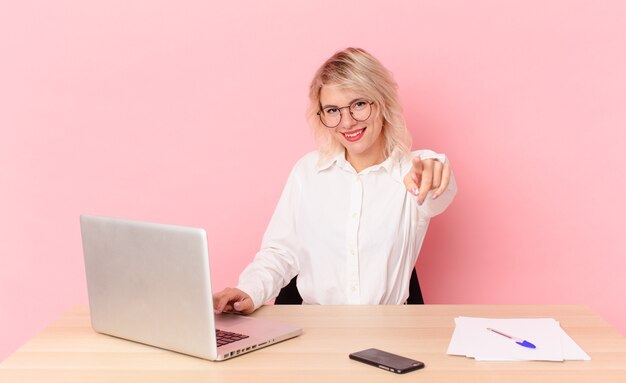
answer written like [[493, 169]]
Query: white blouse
[[352, 238]]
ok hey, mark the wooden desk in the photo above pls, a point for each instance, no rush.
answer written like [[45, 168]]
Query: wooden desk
[[70, 351]]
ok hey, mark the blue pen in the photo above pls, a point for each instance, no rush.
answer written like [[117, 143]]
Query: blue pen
[[519, 341]]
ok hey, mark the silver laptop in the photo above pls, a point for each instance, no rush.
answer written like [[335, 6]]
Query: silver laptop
[[150, 283]]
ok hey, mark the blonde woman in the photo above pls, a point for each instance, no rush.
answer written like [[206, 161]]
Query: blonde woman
[[353, 215]]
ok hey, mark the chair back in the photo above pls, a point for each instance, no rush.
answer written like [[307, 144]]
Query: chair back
[[289, 295]]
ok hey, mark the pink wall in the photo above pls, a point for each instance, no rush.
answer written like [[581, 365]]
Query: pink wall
[[193, 113]]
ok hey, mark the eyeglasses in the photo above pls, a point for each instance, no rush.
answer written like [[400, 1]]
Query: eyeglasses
[[360, 110]]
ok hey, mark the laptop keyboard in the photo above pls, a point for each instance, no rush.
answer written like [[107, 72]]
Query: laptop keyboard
[[225, 337]]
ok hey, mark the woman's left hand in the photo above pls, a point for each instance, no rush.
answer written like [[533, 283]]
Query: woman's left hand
[[427, 175]]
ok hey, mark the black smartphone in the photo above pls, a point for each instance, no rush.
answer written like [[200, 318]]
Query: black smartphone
[[387, 361]]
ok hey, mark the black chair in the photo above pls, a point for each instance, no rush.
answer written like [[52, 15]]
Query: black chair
[[289, 294]]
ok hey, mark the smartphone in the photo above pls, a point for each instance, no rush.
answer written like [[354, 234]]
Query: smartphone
[[387, 361]]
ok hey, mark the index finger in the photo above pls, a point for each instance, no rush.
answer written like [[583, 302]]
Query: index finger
[[221, 301], [427, 181], [418, 165], [415, 174]]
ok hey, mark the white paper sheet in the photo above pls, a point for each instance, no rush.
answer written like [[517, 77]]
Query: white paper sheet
[[472, 339]]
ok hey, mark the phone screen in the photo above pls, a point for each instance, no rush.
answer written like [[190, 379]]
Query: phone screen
[[387, 361]]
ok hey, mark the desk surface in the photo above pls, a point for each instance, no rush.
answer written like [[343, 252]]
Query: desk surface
[[70, 351]]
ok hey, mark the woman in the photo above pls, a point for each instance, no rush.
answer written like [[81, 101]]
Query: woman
[[353, 215]]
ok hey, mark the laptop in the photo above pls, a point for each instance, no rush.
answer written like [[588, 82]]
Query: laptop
[[150, 283]]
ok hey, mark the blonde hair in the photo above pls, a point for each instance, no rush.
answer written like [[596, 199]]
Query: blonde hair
[[356, 70]]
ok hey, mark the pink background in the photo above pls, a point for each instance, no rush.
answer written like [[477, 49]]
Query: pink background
[[193, 113]]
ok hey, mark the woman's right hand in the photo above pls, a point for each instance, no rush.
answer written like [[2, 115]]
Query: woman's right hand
[[232, 300], [426, 175]]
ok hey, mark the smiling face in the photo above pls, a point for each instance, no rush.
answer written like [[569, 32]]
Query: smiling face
[[363, 140]]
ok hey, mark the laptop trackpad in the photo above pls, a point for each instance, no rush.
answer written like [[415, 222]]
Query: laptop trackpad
[[224, 321]]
